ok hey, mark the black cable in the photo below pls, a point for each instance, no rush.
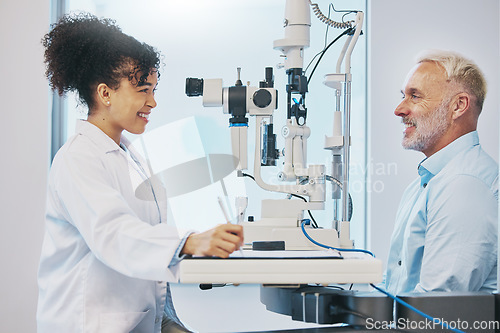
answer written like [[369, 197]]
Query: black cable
[[298, 196], [330, 7], [345, 32], [347, 11], [310, 62], [326, 40], [346, 15], [247, 175], [335, 287], [314, 223]]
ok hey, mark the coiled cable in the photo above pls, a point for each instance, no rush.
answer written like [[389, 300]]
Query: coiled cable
[[323, 18]]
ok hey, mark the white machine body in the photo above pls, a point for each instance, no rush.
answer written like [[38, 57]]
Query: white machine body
[[297, 25]]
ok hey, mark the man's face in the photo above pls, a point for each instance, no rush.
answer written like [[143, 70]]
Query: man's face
[[424, 109]]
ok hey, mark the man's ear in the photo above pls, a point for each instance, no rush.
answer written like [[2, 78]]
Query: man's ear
[[103, 94], [460, 104]]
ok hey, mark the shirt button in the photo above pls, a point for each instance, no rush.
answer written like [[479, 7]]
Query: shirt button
[[425, 185], [157, 320], [399, 263]]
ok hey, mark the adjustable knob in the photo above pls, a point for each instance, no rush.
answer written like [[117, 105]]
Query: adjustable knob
[[262, 98]]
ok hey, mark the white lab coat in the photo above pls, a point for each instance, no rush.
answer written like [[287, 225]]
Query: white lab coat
[[107, 254]]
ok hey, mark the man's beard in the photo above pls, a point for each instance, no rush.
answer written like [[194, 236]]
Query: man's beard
[[428, 128]]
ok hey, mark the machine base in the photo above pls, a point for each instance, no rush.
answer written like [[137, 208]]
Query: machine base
[[466, 311]]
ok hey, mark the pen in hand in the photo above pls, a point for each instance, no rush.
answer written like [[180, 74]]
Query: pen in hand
[[226, 216], [223, 210]]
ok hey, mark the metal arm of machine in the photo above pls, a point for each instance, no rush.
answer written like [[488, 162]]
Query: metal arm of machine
[[315, 188], [352, 42], [340, 142], [347, 132]]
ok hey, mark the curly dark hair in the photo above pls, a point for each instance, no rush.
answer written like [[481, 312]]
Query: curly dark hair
[[82, 51]]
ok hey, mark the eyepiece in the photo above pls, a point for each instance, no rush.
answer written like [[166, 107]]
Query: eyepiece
[[194, 87]]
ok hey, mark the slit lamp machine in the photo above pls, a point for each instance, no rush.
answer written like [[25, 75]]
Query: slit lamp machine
[[281, 219], [291, 255]]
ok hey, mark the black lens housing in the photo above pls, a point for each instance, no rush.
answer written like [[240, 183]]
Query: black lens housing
[[194, 87]]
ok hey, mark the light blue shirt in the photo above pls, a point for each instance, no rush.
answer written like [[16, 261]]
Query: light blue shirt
[[445, 236]]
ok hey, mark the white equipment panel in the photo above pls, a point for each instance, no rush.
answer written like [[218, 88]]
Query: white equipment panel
[[321, 269]]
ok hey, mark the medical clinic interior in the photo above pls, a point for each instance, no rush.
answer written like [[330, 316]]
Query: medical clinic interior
[[295, 166]]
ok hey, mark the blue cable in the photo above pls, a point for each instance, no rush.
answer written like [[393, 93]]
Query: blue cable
[[307, 221], [435, 320], [400, 301]]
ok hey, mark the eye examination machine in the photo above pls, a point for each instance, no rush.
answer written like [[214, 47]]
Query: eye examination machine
[[305, 271]]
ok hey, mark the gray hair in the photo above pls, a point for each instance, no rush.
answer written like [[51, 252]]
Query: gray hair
[[459, 70]]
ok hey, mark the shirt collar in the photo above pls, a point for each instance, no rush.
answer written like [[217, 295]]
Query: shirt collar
[[96, 135], [433, 164]]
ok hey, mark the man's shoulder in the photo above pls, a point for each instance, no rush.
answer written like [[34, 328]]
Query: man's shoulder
[[473, 162], [473, 166]]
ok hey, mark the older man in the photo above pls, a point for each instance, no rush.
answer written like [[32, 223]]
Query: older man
[[445, 237]]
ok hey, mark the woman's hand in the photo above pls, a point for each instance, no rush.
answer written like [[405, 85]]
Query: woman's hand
[[220, 241]]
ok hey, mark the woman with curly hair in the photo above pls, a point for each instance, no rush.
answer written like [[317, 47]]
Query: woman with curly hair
[[107, 255]]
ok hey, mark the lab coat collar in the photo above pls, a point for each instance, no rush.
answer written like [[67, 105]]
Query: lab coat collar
[[100, 138], [432, 165]]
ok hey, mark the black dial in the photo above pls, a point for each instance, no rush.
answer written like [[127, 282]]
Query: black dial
[[262, 98]]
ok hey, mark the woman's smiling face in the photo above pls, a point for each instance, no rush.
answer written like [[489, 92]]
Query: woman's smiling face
[[126, 108]]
